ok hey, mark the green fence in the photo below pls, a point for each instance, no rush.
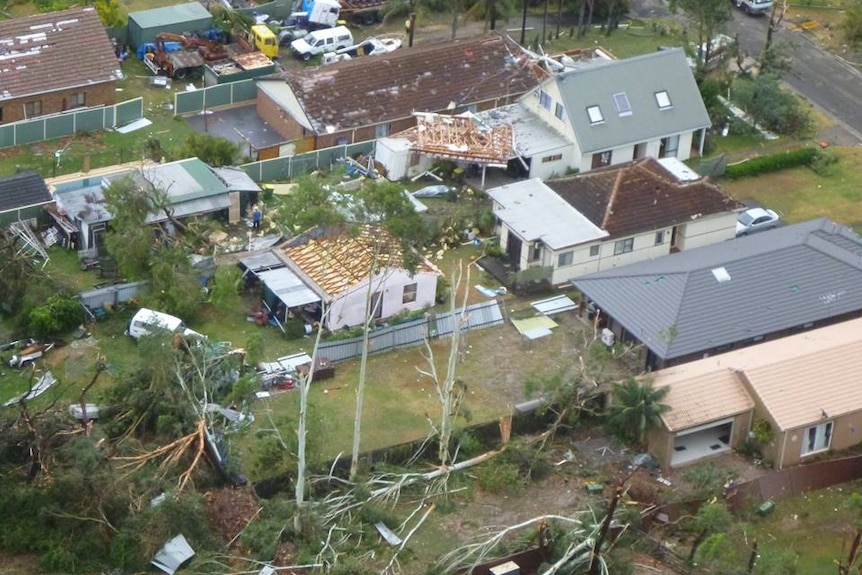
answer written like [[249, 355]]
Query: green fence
[[287, 167], [214, 96], [71, 122]]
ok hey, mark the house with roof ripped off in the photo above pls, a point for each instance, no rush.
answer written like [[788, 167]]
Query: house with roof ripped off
[[568, 227], [725, 296], [801, 391], [612, 112], [332, 270], [53, 62], [191, 188], [368, 98]]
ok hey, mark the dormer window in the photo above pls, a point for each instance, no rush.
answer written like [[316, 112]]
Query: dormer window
[[663, 100], [621, 103], [595, 114]]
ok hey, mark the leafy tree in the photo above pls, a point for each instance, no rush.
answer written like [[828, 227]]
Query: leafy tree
[[636, 409], [214, 151], [852, 24], [708, 18], [771, 107], [174, 285], [129, 239], [59, 314], [111, 13], [711, 518]]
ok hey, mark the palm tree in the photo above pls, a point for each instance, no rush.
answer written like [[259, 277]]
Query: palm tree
[[636, 408]]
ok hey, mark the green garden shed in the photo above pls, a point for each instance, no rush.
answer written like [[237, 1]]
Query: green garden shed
[[178, 19]]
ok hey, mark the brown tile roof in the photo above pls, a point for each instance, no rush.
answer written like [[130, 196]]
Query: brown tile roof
[[425, 78], [640, 196], [53, 51], [337, 260]]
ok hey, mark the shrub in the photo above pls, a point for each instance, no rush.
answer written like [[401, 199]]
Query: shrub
[[60, 314], [772, 163]]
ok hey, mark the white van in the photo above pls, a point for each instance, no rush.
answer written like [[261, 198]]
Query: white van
[[148, 322], [322, 41]]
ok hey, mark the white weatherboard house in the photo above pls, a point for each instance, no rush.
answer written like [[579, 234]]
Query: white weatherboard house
[[338, 268], [612, 112], [610, 217]]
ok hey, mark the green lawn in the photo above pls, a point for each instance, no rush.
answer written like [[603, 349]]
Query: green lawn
[[800, 194]]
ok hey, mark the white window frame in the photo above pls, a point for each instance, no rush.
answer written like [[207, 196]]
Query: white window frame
[[817, 438], [659, 237], [559, 111], [621, 103], [409, 293], [545, 100], [594, 113], [565, 259], [662, 99], [595, 250]]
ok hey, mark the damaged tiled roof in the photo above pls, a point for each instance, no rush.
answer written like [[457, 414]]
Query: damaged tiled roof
[[425, 78], [640, 196], [22, 190], [53, 51], [337, 261]]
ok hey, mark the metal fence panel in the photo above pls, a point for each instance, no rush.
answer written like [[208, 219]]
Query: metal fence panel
[[243, 91], [29, 132], [109, 116], [219, 95], [188, 102], [89, 120], [111, 295], [7, 136], [57, 126], [288, 167], [129, 111]]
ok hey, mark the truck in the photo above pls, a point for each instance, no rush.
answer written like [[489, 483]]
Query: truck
[[177, 56], [312, 15], [754, 7]]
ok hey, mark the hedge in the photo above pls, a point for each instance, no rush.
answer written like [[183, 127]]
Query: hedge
[[772, 163]]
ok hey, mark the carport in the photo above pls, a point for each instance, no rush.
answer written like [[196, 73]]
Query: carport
[[283, 289], [242, 126]]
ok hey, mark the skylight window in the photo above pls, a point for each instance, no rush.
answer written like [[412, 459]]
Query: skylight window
[[663, 100], [595, 114], [621, 102]]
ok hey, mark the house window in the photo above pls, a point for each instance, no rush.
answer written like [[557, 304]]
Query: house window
[[659, 238], [669, 147], [564, 259], [1, 115], [817, 438], [535, 251], [595, 114], [621, 103], [382, 130], [545, 100], [33, 108], [554, 158], [594, 251], [663, 100], [409, 295], [76, 100], [558, 111], [624, 246], [602, 159]]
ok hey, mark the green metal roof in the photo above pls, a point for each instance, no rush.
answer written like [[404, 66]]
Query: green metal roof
[[159, 17]]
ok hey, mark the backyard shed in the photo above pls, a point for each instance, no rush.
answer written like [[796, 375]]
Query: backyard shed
[[144, 25]]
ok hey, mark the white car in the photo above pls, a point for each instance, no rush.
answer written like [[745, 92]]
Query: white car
[[755, 220], [147, 322]]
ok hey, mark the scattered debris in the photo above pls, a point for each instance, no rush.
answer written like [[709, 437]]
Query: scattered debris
[[174, 553], [45, 381], [78, 413], [387, 534], [489, 292], [554, 305], [534, 327]]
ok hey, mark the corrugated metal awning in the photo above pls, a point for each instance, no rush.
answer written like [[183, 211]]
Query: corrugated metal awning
[[288, 287], [261, 262], [552, 305], [193, 208]]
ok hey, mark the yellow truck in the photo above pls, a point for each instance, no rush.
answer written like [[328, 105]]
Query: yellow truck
[[264, 39]]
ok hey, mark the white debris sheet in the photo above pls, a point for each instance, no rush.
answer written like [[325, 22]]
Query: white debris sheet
[[132, 126], [553, 305], [46, 381]]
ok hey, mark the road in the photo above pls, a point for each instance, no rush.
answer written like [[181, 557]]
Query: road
[[819, 76]]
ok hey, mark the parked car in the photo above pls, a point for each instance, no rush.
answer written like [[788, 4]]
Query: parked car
[[755, 220], [321, 42]]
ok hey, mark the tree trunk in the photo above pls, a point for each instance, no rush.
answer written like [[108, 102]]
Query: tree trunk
[[455, 10], [545, 22], [595, 563], [581, 15], [559, 17], [492, 13], [524, 24], [775, 18]]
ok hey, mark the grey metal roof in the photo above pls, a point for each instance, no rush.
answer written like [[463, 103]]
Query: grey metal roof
[[236, 180], [190, 12], [639, 78], [535, 212], [23, 190], [85, 204], [788, 277], [288, 287], [262, 261], [194, 207]]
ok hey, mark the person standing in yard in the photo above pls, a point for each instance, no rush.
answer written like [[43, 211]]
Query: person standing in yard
[[255, 218]]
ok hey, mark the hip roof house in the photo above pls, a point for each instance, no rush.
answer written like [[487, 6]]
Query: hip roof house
[[367, 98], [733, 294], [54, 62], [805, 387]]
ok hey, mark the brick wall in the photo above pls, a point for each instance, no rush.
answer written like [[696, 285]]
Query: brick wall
[[281, 121], [59, 101]]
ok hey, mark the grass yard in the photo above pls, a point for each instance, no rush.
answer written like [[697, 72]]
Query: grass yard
[[800, 194]]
